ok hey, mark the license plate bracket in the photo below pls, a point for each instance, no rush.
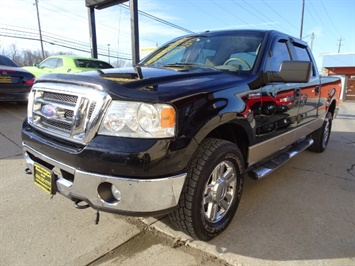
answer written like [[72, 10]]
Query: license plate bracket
[[5, 79], [44, 178]]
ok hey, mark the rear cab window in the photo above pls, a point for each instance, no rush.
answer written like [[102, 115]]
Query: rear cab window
[[87, 63]]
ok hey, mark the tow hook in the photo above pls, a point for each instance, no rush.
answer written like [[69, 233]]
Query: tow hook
[[78, 205], [81, 206], [28, 171]]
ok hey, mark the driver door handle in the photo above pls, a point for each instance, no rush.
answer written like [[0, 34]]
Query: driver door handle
[[317, 90], [297, 93]]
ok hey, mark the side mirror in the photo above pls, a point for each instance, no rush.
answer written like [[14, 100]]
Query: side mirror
[[290, 71], [36, 65]]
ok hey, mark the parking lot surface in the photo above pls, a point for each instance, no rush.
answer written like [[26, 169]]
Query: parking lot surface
[[304, 213]]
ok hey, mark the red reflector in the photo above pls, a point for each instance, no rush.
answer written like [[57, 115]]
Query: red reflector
[[30, 81]]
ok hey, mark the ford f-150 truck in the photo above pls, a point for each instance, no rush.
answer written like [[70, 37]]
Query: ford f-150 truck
[[177, 133]]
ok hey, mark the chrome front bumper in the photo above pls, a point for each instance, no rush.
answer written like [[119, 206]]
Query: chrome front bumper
[[137, 196]]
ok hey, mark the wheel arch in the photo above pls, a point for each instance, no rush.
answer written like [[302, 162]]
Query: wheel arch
[[238, 132], [332, 108]]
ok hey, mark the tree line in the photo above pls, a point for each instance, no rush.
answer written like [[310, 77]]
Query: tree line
[[26, 57]]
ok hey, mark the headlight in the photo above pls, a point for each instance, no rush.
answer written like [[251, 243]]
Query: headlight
[[139, 120]]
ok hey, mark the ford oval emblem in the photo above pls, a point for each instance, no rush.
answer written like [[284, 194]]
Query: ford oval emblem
[[49, 110]]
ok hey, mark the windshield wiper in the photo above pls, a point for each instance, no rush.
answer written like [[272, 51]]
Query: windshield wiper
[[188, 65]]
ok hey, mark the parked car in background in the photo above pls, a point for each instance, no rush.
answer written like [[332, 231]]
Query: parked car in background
[[15, 82], [66, 64]]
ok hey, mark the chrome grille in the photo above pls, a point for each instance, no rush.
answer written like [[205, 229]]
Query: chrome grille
[[91, 110], [56, 124], [67, 111], [60, 97]]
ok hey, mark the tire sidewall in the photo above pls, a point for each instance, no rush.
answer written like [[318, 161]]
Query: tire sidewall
[[326, 129], [203, 228]]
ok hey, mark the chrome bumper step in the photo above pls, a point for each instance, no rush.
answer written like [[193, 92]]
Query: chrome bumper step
[[271, 165]]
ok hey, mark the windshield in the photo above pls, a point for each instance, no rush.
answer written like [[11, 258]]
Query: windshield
[[234, 51]]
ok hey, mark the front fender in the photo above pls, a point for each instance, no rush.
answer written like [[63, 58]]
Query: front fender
[[202, 115]]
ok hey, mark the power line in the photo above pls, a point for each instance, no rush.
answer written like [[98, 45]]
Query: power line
[[320, 20], [252, 13], [159, 20], [278, 14], [59, 42], [62, 45], [199, 8], [228, 11], [54, 8], [50, 37], [330, 19]]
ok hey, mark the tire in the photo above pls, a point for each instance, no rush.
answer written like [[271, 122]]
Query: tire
[[212, 190], [321, 135]]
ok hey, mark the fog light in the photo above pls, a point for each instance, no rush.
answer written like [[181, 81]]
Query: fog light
[[116, 193], [108, 193]]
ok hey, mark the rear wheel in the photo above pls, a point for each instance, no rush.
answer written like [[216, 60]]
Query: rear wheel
[[212, 191], [321, 136]]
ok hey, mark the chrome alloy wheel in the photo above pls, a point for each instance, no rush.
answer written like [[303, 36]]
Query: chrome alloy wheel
[[326, 133], [219, 191]]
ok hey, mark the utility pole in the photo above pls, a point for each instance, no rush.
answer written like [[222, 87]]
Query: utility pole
[[301, 31], [312, 39], [40, 31], [92, 27], [339, 40], [133, 6]]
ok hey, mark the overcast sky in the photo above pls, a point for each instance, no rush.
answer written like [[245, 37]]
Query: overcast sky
[[65, 23]]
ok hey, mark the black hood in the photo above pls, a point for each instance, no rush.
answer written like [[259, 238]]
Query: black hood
[[152, 84]]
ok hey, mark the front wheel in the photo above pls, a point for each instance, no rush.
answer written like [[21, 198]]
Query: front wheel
[[321, 135], [212, 191]]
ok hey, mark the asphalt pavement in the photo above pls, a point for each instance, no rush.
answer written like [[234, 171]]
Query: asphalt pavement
[[302, 214]]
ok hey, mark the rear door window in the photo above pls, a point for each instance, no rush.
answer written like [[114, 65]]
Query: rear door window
[[303, 55], [277, 55]]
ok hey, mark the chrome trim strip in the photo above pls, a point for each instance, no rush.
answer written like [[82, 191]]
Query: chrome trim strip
[[137, 195], [263, 150]]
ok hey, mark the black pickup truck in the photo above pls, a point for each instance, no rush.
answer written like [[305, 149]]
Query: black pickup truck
[[178, 132]]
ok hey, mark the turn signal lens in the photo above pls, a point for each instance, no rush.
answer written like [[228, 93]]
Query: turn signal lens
[[167, 117]]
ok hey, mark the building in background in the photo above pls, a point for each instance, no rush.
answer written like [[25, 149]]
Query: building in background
[[342, 65]]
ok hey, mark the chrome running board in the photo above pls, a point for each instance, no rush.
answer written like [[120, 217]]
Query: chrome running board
[[271, 165]]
